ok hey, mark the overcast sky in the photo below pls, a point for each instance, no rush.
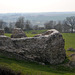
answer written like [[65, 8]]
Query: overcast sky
[[15, 6]]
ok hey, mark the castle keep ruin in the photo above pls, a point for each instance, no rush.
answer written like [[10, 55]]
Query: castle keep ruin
[[46, 48]]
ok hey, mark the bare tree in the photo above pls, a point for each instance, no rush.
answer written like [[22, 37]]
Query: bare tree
[[7, 30], [59, 26], [35, 27], [49, 25], [12, 25], [2, 24], [71, 22], [65, 27], [20, 23], [28, 25]]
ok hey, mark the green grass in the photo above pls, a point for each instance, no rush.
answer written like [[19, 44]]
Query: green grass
[[29, 33], [38, 31], [31, 68], [8, 34], [69, 40]]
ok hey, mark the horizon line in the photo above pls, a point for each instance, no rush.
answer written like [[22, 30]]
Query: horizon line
[[37, 12]]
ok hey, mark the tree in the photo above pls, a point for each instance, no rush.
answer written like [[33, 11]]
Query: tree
[[49, 25], [35, 27], [28, 25], [71, 22], [59, 26], [12, 25], [2, 23], [20, 23], [7, 30], [65, 27]]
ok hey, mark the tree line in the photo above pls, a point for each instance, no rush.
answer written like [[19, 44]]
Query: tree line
[[67, 25]]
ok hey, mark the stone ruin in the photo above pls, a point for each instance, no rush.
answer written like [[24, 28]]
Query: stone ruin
[[1, 31], [46, 48], [18, 33]]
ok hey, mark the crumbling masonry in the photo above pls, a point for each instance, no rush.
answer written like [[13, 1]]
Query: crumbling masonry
[[45, 48]]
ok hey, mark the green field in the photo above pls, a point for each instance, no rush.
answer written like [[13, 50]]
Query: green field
[[69, 40], [30, 68]]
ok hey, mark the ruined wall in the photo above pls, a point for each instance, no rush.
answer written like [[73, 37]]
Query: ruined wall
[[46, 48], [1, 32], [18, 33]]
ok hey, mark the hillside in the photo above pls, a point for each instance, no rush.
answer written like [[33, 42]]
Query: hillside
[[37, 18]]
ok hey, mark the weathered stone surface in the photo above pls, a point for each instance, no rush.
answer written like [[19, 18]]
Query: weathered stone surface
[[18, 33], [47, 48], [72, 60], [72, 57], [1, 32], [72, 63], [6, 43], [71, 49], [47, 32], [37, 35]]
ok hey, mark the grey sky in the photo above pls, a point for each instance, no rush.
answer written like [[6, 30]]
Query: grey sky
[[14, 6]]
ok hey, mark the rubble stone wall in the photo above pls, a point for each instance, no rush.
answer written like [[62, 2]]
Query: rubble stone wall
[[1, 32], [18, 33], [46, 48]]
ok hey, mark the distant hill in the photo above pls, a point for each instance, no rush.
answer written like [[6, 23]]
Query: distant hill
[[37, 18]]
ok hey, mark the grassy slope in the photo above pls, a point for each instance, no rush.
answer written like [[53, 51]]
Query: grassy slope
[[69, 40], [29, 68]]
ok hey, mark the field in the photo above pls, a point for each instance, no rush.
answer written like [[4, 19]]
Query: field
[[69, 40], [31, 68]]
